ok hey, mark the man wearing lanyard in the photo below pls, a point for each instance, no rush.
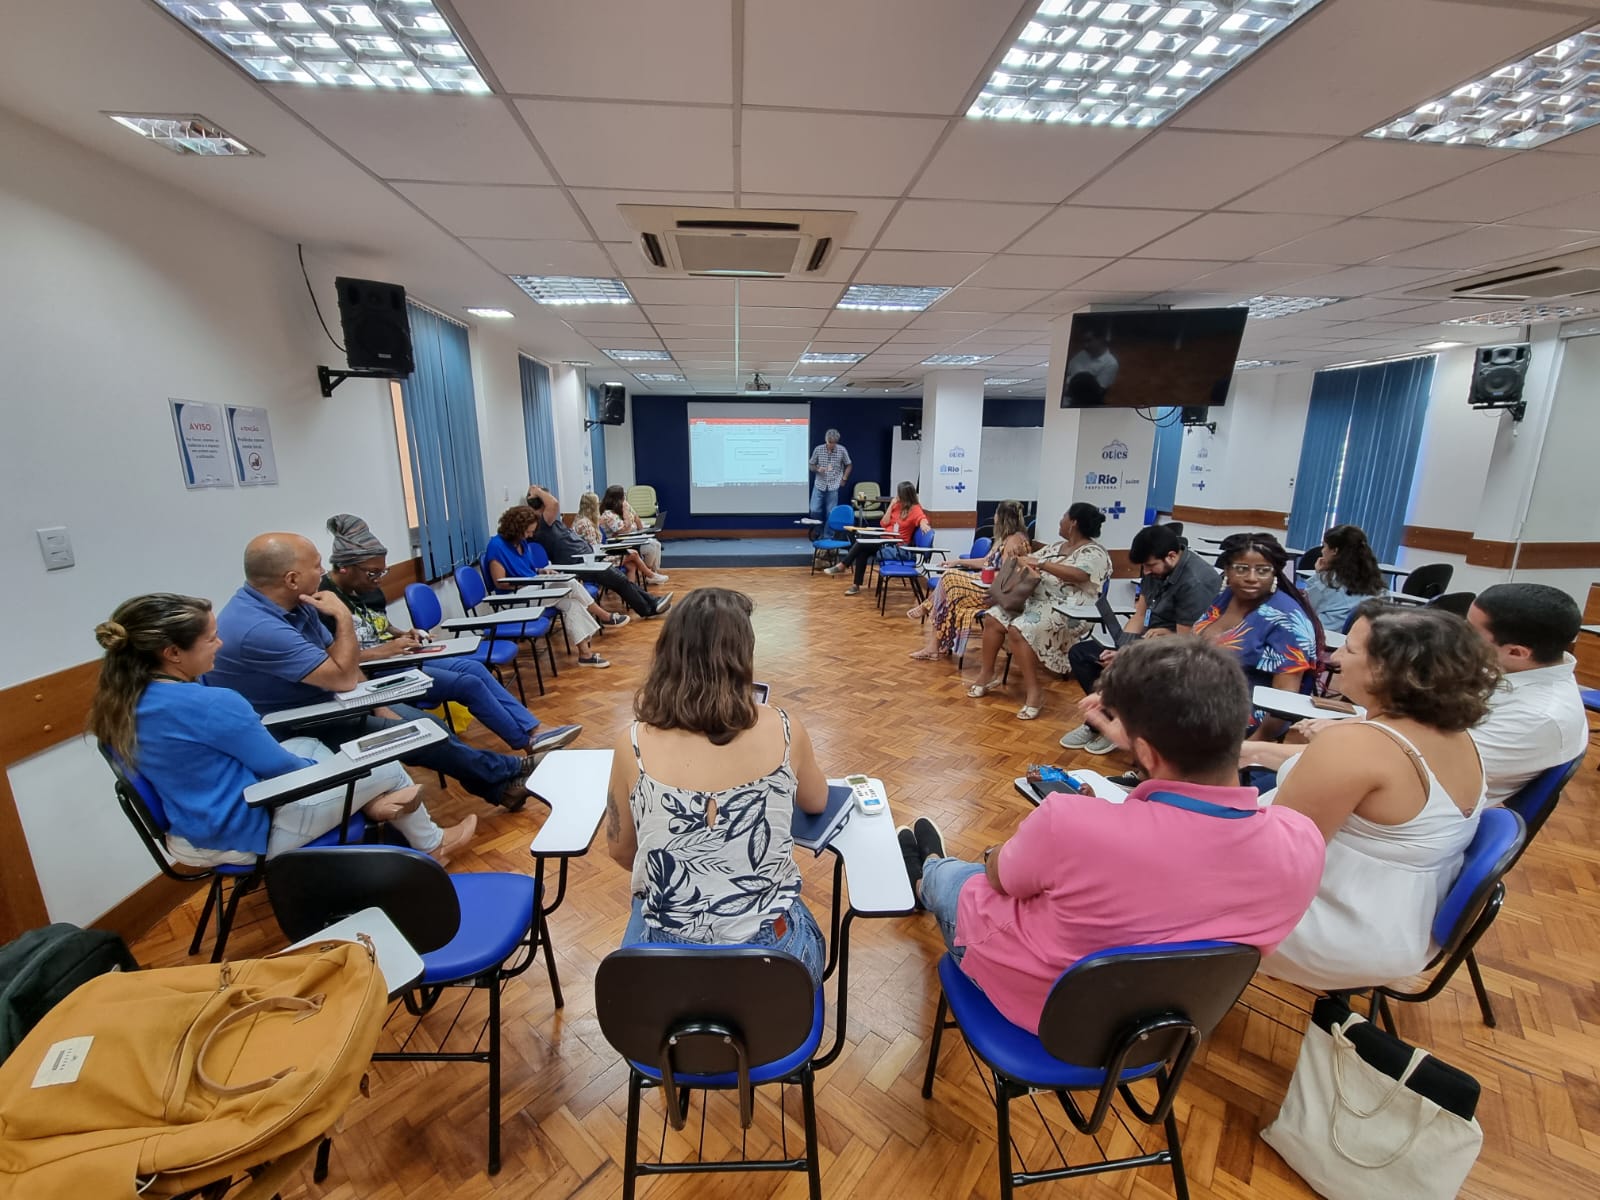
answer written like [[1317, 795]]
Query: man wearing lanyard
[[1188, 855], [831, 463]]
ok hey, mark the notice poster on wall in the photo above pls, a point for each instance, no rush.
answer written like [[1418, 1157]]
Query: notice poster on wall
[[253, 461], [202, 444]]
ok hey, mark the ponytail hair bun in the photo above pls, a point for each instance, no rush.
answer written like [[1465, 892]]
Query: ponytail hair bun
[[111, 635]]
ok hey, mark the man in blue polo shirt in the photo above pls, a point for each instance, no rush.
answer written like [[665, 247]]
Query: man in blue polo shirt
[[277, 654]]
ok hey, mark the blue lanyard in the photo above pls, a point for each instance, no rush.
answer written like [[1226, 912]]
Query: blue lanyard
[[1204, 807]]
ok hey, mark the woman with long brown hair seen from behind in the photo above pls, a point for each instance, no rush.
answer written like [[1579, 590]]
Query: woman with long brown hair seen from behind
[[1346, 574], [200, 747], [703, 787]]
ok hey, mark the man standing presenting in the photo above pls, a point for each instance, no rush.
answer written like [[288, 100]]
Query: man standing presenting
[[831, 463]]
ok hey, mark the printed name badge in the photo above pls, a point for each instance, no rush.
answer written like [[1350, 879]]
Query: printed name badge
[[62, 1062]]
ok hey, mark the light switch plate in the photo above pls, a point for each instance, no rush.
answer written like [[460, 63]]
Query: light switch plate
[[56, 547]]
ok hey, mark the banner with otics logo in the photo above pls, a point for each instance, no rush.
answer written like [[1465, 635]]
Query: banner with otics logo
[[1115, 448]]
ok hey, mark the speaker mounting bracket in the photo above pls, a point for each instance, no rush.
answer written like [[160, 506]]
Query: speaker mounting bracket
[[330, 378]]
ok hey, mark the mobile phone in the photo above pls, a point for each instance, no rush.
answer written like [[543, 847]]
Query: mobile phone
[[389, 737], [379, 685], [759, 692]]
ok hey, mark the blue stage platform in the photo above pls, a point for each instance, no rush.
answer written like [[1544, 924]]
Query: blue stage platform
[[735, 552]]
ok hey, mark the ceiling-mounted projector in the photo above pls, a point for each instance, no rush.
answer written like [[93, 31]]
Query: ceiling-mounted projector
[[758, 384]]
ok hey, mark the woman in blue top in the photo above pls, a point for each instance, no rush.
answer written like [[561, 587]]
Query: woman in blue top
[[1346, 574], [200, 747], [512, 553], [1263, 620]]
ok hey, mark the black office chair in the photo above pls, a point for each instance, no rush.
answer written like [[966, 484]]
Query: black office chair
[[1454, 602], [473, 930], [717, 1018], [1308, 560], [1113, 1018], [1428, 581]]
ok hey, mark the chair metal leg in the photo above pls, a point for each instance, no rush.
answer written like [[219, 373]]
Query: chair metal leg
[[522, 694], [933, 1045], [324, 1148], [1180, 1181], [494, 1073], [550, 960], [225, 921], [808, 1106], [213, 893], [630, 1156], [538, 671], [550, 651], [1485, 1005], [1002, 1124]]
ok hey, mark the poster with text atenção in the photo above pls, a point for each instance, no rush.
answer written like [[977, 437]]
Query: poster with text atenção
[[253, 461]]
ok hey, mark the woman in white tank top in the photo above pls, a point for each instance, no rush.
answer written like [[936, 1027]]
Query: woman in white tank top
[[1396, 796]]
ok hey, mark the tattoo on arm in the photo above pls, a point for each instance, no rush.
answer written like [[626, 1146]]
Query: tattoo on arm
[[613, 819]]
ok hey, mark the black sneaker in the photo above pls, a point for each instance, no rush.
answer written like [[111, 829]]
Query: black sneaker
[[513, 794], [929, 840], [662, 605], [912, 856], [1129, 780]]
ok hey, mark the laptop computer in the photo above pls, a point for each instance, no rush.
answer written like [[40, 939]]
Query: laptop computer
[[1112, 623]]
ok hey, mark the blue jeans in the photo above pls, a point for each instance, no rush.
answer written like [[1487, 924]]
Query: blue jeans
[[803, 939], [469, 683], [942, 880], [823, 499]]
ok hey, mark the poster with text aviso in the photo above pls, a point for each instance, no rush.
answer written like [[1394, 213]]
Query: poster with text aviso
[[202, 444]]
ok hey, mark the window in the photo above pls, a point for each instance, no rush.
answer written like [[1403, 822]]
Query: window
[[398, 404]]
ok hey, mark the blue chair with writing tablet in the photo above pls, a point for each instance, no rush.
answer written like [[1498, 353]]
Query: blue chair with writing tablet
[[472, 590], [833, 538], [425, 612], [908, 569]]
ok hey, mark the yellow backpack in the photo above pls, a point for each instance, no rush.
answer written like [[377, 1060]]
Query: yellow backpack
[[153, 1083]]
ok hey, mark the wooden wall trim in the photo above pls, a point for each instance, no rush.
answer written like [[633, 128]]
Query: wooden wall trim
[[1496, 555], [966, 518], [401, 574], [1258, 518], [1534, 556], [1558, 556], [1442, 541]]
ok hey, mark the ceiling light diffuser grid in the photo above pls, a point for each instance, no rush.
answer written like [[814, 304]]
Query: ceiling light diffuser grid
[[1266, 308], [403, 45], [1003, 382], [819, 358], [812, 380], [1086, 62], [1526, 314], [492, 314], [573, 289], [640, 355], [657, 377], [182, 134], [886, 297], [955, 360], [1255, 364], [1549, 94]]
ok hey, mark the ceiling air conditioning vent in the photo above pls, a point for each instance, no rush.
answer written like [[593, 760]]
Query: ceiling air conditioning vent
[[737, 243], [877, 385], [1568, 275]]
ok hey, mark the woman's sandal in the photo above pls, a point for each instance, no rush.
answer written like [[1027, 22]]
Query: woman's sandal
[[1028, 712], [916, 612], [979, 690], [925, 655]]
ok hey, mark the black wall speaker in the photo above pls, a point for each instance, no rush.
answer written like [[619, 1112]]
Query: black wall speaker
[[613, 404], [1497, 376], [911, 424], [377, 335]]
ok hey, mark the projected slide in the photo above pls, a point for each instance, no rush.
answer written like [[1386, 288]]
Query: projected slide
[[749, 458]]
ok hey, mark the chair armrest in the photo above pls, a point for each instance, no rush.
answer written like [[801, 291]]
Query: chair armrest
[[574, 784], [505, 616], [332, 772], [335, 710]]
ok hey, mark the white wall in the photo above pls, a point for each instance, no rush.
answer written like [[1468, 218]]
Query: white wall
[[117, 293], [570, 402], [619, 450], [497, 380]]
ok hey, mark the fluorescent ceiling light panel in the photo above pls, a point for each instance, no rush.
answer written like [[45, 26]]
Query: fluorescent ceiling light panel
[[492, 314], [401, 45], [1002, 382], [657, 377], [640, 355], [1526, 314], [1254, 364], [1442, 345], [184, 134], [889, 297], [1086, 62], [1547, 95], [573, 289], [813, 380], [1267, 308], [815, 357], [955, 360]]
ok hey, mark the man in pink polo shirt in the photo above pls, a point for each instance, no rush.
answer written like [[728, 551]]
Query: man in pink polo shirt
[[1188, 855]]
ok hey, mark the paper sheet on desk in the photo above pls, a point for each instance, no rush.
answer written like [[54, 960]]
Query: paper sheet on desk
[[397, 684]]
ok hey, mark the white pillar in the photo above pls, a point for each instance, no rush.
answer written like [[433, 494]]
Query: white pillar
[[952, 436], [570, 407]]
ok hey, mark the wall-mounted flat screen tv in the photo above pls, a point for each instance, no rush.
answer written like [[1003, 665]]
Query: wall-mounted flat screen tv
[[1150, 358]]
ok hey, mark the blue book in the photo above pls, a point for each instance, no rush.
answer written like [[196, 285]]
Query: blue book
[[815, 830]]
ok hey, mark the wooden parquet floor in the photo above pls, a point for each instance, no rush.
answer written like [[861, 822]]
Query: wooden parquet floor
[[844, 669]]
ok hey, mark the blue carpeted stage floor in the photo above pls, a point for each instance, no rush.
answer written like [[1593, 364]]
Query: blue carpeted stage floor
[[736, 552]]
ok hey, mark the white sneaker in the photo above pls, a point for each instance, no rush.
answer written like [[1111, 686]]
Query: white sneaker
[[1100, 745], [836, 569], [658, 577], [1077, 739]]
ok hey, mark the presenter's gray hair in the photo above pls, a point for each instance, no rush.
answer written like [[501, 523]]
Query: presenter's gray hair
[[831, 436]]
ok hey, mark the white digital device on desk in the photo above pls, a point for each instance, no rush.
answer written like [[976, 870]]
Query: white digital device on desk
[[868, 794]]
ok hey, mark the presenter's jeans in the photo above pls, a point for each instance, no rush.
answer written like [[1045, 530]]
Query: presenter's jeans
[[823, 500], [470, 684]]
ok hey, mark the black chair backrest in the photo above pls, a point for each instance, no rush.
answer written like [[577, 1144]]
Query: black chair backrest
[[644, 994], [313, 888], [1454, 602], [1308, 560], [1428, 581], [1099, 1001]]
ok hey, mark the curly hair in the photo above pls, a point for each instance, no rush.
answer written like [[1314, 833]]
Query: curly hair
[[1265, 544], [1429, 665], [703, 667], [1355, 566], [514, 522], [134, 639]]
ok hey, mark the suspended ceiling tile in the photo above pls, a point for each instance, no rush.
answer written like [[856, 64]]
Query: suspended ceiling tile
[[918, 268], [616, 145], [1000, 160], [1231, 236], [1361, 281], [518, 256], [690, 314], [1099, 231], [866, 319], [606, 49], [844, 154], [957, 225], [682, 291], [479, 210], [1253, 278], [1365, 174], [994, 300], [1488, 244], [1148, 274], [1362, 238], [760, 317], [1034, 271], [788, 293], [1184, 169], [1503, 189], [1582, 213]]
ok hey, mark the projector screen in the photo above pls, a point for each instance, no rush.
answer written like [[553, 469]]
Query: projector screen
[[749, 458]]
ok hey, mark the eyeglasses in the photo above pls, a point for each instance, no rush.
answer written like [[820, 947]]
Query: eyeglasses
[[375, 575], [1244, 570]]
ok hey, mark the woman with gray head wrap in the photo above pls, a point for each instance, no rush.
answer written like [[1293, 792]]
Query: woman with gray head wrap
[[353, 540]]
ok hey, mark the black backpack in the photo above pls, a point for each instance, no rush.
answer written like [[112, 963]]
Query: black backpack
[[40, 968]]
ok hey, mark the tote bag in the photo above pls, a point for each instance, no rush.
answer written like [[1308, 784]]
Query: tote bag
[[1354, 1131], [1012, 586]]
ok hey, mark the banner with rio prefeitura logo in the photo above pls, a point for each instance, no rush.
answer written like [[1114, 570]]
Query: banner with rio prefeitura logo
[[1115, 448]]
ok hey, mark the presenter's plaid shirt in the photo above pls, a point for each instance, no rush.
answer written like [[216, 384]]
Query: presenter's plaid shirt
[[829, 465]]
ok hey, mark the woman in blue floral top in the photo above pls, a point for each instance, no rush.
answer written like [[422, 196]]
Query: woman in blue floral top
[[704, 785], [1263, 619]]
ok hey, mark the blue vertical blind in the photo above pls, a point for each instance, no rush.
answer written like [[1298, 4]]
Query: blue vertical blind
[[1359, 453], [1163, 490], [539, 423], [597, 442], [442, 429]]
